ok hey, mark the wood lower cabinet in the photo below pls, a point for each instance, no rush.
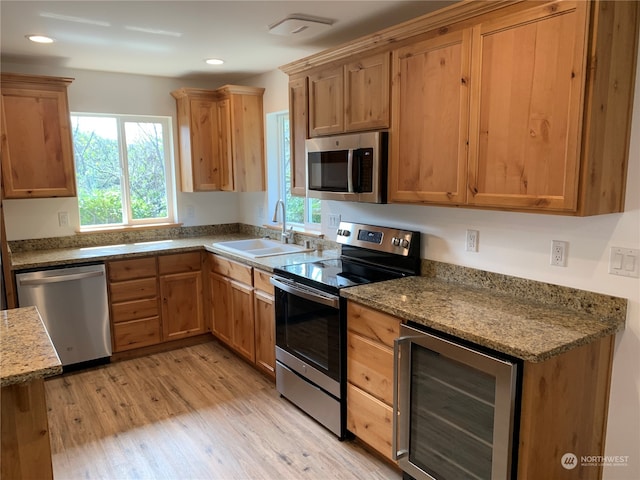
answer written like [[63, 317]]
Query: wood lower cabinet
[[265, 322], [242, 310], [133, 301], [563, 405], [370, 336], [232, 304], [36, 147], [181, 294]]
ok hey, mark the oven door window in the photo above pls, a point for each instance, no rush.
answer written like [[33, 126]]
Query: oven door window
[[328, 171], [310, 331], [451, 421]]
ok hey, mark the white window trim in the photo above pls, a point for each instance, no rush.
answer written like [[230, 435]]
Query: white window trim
[[167, 136]]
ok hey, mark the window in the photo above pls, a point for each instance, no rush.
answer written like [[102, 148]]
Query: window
[[123, 169], [301, 211]]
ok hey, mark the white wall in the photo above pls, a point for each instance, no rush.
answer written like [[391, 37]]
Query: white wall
[[101, 92], [518, 244]]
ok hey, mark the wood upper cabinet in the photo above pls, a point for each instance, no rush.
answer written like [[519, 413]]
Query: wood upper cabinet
[[350, 97], [298, 103], [430, 120], [326, 97], [221, 138], [181, 293], [36, 147], [366, 93], [528, 88], [518, 106]]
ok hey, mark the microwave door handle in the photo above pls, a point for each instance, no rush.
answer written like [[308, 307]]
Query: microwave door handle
[[402, 377], [350, 170]]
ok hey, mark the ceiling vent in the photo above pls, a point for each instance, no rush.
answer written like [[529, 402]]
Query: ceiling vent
[[298, 24]]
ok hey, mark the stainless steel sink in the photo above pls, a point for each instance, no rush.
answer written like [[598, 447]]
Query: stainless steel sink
[[259, 247]]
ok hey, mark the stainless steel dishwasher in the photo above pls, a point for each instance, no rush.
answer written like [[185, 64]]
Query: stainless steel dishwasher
[[73, 304]]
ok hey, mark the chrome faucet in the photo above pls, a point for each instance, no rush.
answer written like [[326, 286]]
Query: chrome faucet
[[286, 235]]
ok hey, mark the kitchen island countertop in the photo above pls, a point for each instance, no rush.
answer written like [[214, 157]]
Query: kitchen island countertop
[[508, 324], [26, 351]]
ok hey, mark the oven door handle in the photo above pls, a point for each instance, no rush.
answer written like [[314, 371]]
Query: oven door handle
[[401, 390], [305, 292]]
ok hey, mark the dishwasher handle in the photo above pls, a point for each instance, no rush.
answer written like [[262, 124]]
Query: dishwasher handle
[[60, 278]]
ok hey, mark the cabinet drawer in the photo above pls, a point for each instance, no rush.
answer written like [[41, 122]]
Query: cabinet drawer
[[372, 324], [130, 269], [136, 333], [231, 269], [370, 367], [370, 420], [135, 309], [133, 290], [261, 281], [179, 262]]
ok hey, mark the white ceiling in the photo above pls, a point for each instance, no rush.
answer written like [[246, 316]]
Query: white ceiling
[[173, 38]]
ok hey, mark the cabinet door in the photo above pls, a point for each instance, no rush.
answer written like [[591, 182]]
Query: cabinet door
[[298, 98], [326, 102], [528, 81], [37, 154], [265, 326], [224, 144], [205, 162], [220, 295], [182, 312], [243, 339], [430, 120], [366, 96]]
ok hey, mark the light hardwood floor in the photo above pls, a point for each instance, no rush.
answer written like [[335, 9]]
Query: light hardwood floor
[[194, 413]]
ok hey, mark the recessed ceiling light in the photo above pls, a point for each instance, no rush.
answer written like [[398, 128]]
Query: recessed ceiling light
[[40, 39], [214, 61]]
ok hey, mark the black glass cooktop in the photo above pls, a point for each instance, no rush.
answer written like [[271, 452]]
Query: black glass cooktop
[[337, 273]]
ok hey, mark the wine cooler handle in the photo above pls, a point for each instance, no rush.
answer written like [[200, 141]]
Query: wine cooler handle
[[401, 377]]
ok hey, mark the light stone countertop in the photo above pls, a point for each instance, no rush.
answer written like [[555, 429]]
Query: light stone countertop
[[69, 256], [26, 351], [522, 328]]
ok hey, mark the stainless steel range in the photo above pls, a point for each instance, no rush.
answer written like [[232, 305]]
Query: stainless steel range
[[311, 323]]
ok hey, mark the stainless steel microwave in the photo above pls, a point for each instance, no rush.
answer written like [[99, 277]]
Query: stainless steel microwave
[[349, 167]]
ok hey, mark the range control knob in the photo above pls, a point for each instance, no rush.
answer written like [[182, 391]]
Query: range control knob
[[405, 243], [395, 241], [345, 233]]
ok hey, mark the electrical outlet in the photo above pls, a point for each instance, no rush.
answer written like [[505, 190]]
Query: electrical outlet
[[559, 253], [334, 220], [63, 219], [472, 240]]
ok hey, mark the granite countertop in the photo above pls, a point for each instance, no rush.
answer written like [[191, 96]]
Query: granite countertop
[[26, 351], [69, 256], [506, 323]]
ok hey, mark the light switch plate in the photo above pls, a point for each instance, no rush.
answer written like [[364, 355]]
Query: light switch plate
[[334, 220], [624, 262]]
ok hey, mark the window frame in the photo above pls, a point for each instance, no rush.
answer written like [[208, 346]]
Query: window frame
[[167, 140], [283, 151]]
